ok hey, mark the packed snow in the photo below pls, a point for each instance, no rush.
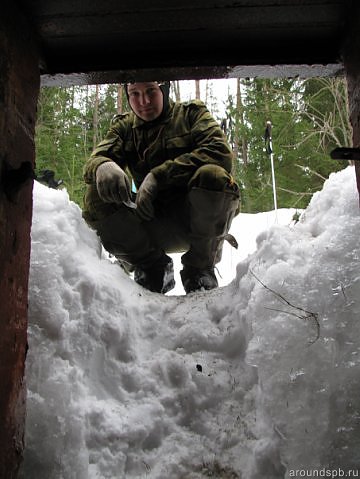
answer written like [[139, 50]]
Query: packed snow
[[256, 379]]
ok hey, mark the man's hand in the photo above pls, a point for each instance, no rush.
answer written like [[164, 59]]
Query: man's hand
[[145, 197], [112, 183]]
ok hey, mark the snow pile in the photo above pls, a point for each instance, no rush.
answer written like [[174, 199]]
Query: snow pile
[[245, 227], [232, 383]]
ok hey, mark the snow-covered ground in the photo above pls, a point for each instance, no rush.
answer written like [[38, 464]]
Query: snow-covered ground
[[233, 383]]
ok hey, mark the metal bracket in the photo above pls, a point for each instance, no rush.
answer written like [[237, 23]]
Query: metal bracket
[[12, 179], [345, 154]]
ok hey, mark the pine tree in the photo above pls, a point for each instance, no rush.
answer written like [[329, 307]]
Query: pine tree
[[67, 118], [308, 118]]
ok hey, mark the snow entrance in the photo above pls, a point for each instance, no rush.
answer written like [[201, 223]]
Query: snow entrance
[[257, 379]]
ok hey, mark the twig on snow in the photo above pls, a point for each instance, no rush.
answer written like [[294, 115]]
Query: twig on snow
[[302, 313]]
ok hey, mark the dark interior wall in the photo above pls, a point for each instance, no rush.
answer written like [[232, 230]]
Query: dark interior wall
[[19, 87], [351, 59]]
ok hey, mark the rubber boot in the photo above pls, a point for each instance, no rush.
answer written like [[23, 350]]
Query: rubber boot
[[158, 277], [211, 214]]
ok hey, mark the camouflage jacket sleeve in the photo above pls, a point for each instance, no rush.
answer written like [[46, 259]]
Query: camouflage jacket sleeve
[[111, 148], [209, 147]]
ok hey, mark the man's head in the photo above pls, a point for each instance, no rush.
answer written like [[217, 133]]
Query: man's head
[[148, 99]]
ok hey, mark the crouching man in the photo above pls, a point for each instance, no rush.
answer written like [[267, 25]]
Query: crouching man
[[186, 198]]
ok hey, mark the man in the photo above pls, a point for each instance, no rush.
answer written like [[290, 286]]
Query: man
[[180, 163]]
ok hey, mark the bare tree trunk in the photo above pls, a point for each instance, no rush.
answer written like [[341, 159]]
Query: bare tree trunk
[[96, 117], [236, 135], [239, 137], [240, 109], [197, 89], [176, 88], [72, 90], [84, 130], [206, 92], [119, 100]]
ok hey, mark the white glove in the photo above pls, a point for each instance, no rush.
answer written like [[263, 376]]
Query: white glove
[[145, 197], [112, 183]]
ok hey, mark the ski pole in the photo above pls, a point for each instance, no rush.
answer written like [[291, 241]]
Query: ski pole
[[269, 150]]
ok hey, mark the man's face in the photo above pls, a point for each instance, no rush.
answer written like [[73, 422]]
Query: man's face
[[146, 100]]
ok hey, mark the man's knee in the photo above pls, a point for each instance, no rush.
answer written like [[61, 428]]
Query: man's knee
[[212, 177], [95, 209]]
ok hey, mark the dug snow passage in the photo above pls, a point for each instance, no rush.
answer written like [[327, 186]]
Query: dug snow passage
[[257, 379]]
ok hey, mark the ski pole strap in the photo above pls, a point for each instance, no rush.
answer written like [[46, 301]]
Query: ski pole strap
[[267, 138]]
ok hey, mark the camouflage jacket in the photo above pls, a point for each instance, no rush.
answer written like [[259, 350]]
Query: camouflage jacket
[[173, 147]]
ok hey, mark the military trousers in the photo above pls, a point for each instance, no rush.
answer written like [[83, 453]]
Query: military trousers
[[193, 221]]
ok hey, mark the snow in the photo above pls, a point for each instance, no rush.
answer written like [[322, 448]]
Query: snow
[[245, 228], [231, 383]]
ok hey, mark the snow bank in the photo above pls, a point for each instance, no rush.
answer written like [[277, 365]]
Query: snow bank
[[233, 383]]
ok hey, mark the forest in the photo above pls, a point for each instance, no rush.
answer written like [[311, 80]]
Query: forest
[[308, 119]]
